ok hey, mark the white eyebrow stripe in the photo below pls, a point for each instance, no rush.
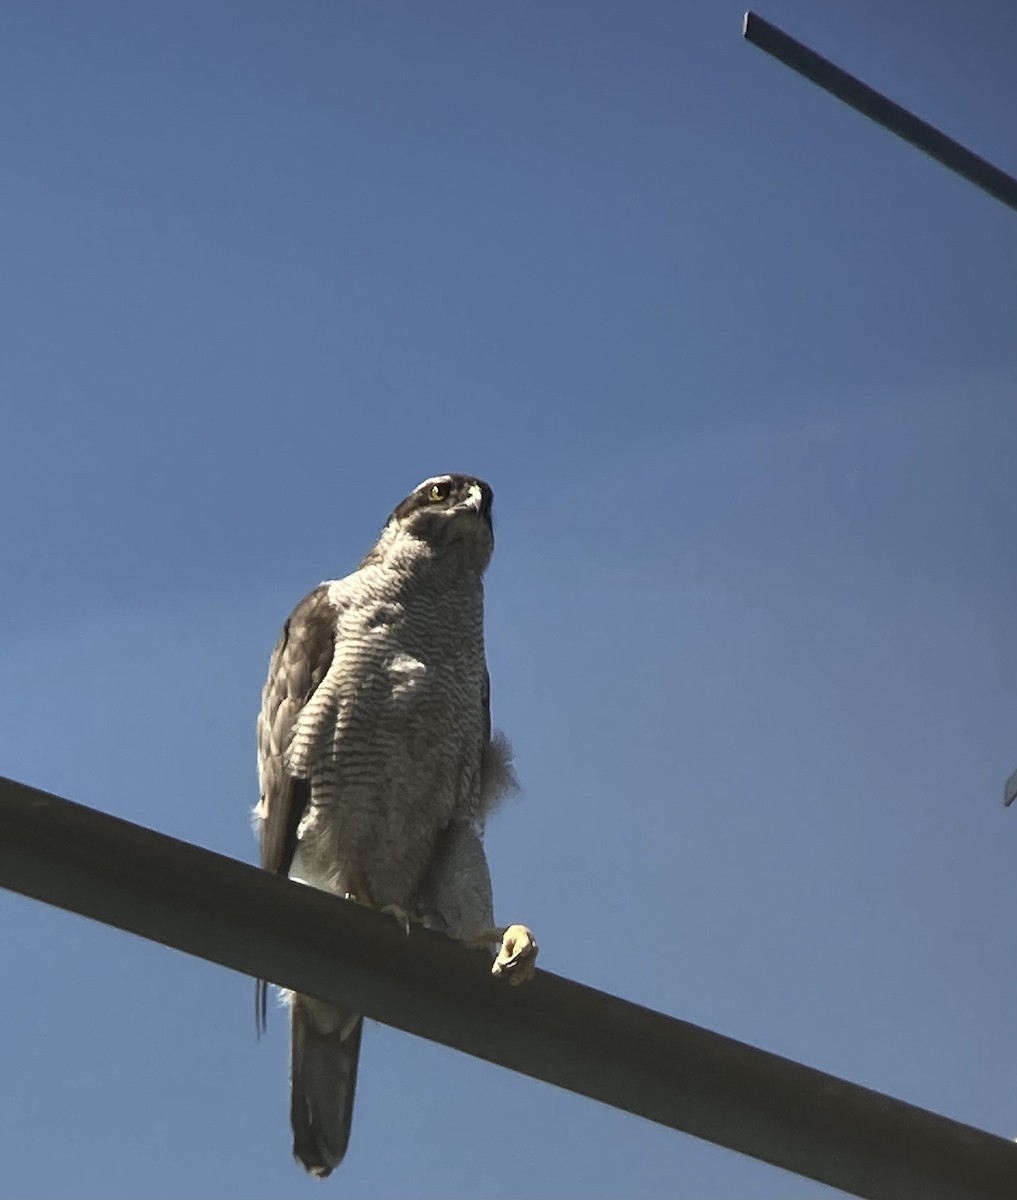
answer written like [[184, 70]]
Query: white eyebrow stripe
[[433, 480]]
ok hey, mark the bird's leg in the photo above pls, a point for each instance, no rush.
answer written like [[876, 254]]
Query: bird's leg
[[400, 914], [360, 893], [517, 956], [356, 888]]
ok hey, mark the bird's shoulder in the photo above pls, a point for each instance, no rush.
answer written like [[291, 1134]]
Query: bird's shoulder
[[305, 646], [302, 656]]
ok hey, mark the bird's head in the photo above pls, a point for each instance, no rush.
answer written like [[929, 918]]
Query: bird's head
[[447, 512]]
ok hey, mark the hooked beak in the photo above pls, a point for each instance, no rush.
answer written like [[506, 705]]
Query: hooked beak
[[478, 500]]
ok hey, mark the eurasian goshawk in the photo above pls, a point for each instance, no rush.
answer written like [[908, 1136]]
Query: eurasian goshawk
[[377, 765]]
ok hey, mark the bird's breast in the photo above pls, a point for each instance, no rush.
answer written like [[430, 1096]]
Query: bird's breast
[[407, 675]]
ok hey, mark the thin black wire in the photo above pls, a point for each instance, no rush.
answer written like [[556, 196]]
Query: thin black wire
[[881, 109]]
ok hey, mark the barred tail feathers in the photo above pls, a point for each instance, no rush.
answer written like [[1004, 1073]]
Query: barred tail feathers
[[324, 1053]]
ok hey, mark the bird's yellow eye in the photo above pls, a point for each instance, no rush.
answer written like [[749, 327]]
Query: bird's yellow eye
[[438, 492]]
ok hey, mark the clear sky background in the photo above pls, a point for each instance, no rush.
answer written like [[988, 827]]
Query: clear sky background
[[742, 370]]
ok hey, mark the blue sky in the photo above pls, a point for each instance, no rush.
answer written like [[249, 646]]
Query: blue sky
[[741, 368]]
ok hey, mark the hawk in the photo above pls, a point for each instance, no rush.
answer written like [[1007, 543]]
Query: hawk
[[377, 765]]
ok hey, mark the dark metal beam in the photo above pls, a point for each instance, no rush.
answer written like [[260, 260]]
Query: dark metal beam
[[552, 1029], [880, 109], [1010, 790]]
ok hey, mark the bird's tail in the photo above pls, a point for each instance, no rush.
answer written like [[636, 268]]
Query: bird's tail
[[324, 1052]]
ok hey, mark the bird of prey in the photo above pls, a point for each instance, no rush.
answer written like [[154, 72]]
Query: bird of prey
[[377, 765]]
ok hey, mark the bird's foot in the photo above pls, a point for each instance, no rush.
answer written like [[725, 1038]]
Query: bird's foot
[[517, 953], [517, 958]]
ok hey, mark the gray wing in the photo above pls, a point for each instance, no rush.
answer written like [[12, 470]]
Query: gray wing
[[300, 660]]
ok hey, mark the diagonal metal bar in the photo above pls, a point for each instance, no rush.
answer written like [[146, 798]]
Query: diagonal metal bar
[[880, 109], [552, 1029], [1010, 790]]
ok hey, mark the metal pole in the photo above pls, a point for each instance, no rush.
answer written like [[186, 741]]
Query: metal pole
[[552, 1029], [880, 109]]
